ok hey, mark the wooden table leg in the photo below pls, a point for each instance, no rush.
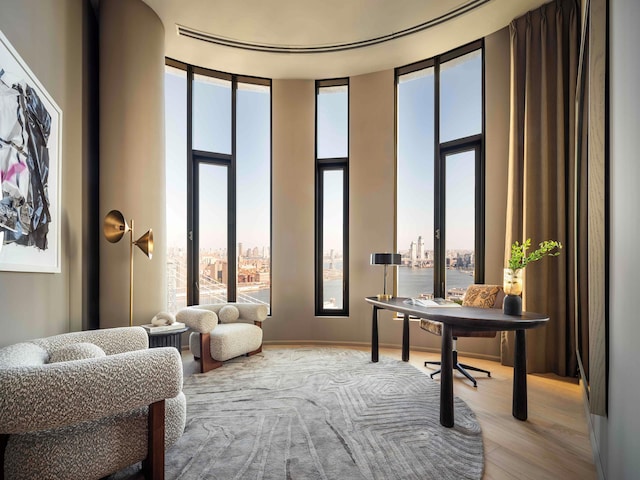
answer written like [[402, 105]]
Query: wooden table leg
[[520, 377], [374, 335], [405, 338], [446, 377]]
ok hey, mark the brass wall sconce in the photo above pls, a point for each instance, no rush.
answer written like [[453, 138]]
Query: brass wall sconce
[[115, 227], [385, 259]]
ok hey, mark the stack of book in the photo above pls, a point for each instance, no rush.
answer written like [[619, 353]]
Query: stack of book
[[162, 328]]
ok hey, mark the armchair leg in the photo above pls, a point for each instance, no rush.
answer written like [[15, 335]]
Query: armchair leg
[[207, 362], [153, 465], [4, 440], [259, 349]]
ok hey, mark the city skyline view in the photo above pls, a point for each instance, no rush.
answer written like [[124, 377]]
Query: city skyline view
[[460, 117]]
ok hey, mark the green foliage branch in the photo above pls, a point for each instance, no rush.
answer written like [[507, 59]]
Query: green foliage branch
[[519, 258]]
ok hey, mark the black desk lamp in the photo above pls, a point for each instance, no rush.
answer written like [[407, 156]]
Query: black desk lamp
[[385, 259]]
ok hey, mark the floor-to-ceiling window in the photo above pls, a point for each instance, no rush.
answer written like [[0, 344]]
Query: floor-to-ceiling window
[[332, 197], [440, 174], [218, 187], [175, 80]]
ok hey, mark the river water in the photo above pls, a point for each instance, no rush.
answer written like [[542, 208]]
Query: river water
[[412, 283]]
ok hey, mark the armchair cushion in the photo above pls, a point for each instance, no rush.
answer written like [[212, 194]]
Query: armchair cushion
[[111, 340], [22, 354], [228, 314], [483, 296], [76, 351], [198, 319]]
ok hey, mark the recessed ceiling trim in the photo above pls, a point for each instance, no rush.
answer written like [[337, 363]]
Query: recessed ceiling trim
[[337, 47]]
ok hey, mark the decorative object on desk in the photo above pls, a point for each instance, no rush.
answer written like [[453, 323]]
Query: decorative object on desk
[[385, 259], [517, 262], [115, 227], [163, 318]]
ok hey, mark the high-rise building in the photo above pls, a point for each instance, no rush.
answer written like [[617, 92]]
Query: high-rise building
[[240, 251], [420, 252]]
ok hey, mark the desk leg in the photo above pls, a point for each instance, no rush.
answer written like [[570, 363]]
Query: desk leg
[[446, 377], [374, 335], [520, 377], [405, 338]]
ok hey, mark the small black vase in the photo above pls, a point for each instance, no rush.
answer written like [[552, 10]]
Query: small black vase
[[512, 305]]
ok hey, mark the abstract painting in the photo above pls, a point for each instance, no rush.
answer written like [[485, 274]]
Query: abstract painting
[[30, 158]]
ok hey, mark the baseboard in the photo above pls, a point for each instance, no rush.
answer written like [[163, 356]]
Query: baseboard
[[595, 450], [480, 356]]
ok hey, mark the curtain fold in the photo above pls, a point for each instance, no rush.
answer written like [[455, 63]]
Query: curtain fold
[[541, 193]]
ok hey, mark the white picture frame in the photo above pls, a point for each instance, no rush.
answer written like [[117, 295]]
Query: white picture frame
[[20, 251]]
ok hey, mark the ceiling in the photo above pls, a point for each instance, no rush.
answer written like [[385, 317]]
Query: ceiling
[[311, 39]]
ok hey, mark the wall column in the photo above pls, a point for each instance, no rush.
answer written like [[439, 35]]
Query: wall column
[[132, 162]]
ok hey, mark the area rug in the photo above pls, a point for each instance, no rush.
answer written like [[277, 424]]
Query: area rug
[[321, 413]]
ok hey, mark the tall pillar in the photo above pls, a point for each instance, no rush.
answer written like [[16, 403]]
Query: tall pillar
[[132, 157]]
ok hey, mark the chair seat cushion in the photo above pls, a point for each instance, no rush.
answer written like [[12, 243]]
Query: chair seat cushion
[[434, 327], [229, 340]]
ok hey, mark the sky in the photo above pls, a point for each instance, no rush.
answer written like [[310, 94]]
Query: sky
[[212, 132], [461, 116]]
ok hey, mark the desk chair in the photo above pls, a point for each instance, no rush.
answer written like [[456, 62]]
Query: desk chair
[[482, 296]]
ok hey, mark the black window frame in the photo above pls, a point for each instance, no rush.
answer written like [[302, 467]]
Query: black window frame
[[323, 165], [195, 158], [441, 151]]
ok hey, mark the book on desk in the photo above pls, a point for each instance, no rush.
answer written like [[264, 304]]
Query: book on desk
[[430, 302]]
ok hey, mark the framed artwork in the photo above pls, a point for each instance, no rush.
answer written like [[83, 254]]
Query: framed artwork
[[30, 162]]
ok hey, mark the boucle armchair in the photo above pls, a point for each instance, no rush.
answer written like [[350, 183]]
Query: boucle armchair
[[84, 405], [223, 331]]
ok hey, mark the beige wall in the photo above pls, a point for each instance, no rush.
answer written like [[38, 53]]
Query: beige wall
[[372, 205], [132, 175], [49, 36], [292, 206]]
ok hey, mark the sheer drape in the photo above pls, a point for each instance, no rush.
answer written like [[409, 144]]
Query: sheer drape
[[544, 61]]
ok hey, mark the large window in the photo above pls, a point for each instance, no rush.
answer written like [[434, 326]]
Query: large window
[[440, 174], [332, 197], [176, 186], [218, 187]]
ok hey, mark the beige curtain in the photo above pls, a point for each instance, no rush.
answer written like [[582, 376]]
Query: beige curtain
[[544, 62]]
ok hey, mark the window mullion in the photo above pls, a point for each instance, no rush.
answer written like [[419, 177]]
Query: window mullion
[[232, 275]]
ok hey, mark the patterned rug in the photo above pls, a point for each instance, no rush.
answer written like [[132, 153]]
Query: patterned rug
[[321, 413]]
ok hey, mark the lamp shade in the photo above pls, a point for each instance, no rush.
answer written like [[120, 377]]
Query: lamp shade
[[386, 259], [115, 226], [145, 243]]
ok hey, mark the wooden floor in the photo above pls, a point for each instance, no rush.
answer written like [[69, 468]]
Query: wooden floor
[[552, 444]]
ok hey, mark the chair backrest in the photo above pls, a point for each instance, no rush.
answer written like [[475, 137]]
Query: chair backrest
[[483, 296]]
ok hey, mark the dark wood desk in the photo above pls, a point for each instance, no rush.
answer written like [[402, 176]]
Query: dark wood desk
[[476, 319]]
